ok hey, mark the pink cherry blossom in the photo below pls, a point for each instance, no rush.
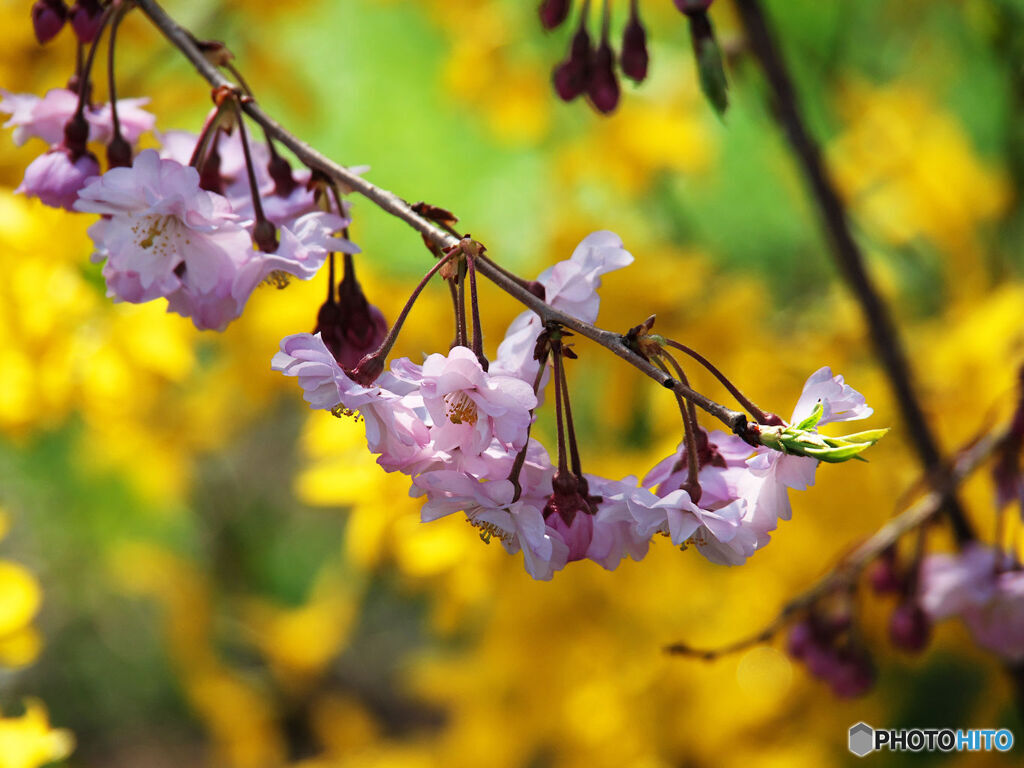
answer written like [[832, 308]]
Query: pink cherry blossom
[[725, 479], [470, 407], [164, 236], [56, 179], [395, 428], [163, 231], [986, 591], [489, 507], [951, 583], [999, 623], [839, 402], [570, 286], [302, 249], [615, 535], [44, 118], [715, 528]]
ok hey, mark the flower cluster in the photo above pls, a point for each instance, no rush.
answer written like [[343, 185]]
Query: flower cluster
[[195, 236], [66, 125], [591, 71], [461, 431], [164, 235]]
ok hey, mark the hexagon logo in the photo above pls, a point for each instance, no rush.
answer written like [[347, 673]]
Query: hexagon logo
[[862, 739]]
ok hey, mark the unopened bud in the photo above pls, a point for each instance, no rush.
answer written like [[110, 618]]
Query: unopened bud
[[854, 674], [264, 235], [909, 627], [76, 134], [85, 18], [800, 639], [350, 327], [603, 86], [885, 576], [553, 12], [369, 368], [281, 172], [692, 6], [634, 58], [572, 75], [48, 17], [209, 172], [119, 152]]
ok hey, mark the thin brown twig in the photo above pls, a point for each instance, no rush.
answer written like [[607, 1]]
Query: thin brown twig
[[848, 256], [396, 206], [849, 568]]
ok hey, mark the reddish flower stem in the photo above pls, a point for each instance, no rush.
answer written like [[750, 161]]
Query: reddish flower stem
[[759, 415]]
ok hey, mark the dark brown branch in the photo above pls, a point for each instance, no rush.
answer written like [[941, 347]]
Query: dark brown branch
[[435, 235], [847, 253]]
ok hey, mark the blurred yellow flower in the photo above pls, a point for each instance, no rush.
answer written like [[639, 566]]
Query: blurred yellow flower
[[28, 741], [910, 171]]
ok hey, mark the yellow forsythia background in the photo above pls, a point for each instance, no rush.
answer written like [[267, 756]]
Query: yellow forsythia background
[[198, 571]]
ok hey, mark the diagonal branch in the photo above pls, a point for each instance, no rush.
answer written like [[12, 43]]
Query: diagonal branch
[[847, 571], [848, 256], [396, 206]]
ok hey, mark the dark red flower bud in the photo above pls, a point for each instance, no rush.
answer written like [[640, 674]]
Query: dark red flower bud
[[281, 172], [909, 627], [572, 75], [565, 499], [119, 152], [854, 674], [603, 86], [553, 12], [634, 58], [885, 575], [693, 6], [800, 639], [350, 327], [48, 17], [85, 19], [76, 134], [209, 170], [264, 235], [369, 368]]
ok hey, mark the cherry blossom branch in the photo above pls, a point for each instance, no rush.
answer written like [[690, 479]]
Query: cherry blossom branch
[[846, 572], [433, 234], [848, 256]]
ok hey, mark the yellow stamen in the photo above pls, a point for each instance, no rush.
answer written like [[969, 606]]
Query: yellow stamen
[[460, 408]]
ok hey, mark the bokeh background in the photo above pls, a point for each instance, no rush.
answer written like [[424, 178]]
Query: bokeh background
[[196, 570]]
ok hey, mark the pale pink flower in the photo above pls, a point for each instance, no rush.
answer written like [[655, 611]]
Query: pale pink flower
[[715, 528], [489, 507], [394, 424], [951, 583], [163, 228], [470, 407], [986, 593], [56, 179], [999, 623], [45, 118], [615, 535], [724, 479], [302, 249], [570, 286], [164, 236], [778, 471]]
